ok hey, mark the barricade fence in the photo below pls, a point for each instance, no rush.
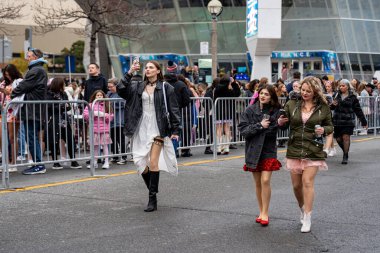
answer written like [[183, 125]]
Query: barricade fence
[[54, 132]]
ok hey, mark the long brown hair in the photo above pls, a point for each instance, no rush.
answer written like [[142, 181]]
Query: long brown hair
[[160, 76], [273, 96], [107, 107]]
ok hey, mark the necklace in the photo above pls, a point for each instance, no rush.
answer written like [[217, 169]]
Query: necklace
[[152, 83]]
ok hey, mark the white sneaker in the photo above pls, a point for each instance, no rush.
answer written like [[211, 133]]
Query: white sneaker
[[21, 158], [332, 152], [105, 166], [306, 226], [363, 132], [95, 166], [302, 214], [14, 169], [122, 161]]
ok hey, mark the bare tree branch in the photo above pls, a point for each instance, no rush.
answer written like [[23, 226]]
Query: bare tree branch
[[111, 17], [10, 9]]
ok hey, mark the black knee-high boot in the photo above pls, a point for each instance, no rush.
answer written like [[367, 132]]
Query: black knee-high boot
[[153, 190], [146, 177]]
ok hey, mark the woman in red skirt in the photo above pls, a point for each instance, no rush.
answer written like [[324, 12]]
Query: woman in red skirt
[[259, 128]]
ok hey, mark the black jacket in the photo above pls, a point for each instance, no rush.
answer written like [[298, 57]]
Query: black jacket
[[344, 112], [181, 91], [57, 111], [132, 91], [34, 87], [93, 84], [260, 143], [226, 108]]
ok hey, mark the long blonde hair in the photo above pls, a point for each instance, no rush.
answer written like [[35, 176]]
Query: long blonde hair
[[316, 86]]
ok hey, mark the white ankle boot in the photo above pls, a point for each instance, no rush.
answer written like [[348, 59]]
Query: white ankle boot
[[302, 214], [306, 225]]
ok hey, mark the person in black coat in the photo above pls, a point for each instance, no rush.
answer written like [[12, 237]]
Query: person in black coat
[[183, 95], [34, 87], [225, 112], [95, 82], [258, 125], [59, 127], [346, 105]]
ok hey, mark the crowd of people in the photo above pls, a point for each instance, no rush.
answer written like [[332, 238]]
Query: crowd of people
[[156, 112]]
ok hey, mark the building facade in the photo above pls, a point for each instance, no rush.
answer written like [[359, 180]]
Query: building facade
[[338, 37]]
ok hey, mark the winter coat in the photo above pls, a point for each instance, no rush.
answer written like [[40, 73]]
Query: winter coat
[[57, 111], [301, 144], [132, 92], [181, 91], [101, 121], [34, 86], [226, 108], [93, 84], [260, 143], [345, 111], [119, 111]]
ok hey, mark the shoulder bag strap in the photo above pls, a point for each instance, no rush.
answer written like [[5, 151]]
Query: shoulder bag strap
[[166, 105]]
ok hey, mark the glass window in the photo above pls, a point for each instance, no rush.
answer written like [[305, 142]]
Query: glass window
[[197, 3], [366, 9], [343, 8], [349, 35], [343, 62], [354, 8], [354, 62], [332, 8], [319, 8], [183, 3], [306, 65], [317, 65], [365, 61], [375, 6], [376, 61], [225, 67], [240, 2], [360, 35], [167, 4]]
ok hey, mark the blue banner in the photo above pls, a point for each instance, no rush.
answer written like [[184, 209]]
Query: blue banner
[[70, 64], [252, 18]]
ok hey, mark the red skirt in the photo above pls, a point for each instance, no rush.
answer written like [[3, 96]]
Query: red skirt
[[269, 164]]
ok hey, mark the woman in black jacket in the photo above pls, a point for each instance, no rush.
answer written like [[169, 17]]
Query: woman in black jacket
[[225, 111], [58, 127], [346, 105], [259, 127], [152, 116]]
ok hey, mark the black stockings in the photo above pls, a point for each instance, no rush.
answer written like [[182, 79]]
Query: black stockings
[[344, 142]]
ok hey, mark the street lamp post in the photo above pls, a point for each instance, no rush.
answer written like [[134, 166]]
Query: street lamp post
[[215, 8]]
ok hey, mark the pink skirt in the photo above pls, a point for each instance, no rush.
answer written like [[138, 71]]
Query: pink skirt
[[102, 139], [297, 166]]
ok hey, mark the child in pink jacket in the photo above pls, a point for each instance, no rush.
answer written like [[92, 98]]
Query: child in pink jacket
[[102, 118]]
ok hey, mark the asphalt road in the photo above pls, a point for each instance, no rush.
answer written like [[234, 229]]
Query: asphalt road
[[209, 207]]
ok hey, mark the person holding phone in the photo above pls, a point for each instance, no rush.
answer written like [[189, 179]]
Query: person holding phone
[[309, 117], [151, 128], [258, 125]]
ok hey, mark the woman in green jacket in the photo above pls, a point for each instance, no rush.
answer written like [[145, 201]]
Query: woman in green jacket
[[309, 118]]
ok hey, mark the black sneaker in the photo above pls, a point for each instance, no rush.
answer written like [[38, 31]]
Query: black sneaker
[[57, 166], [208, 151], [75, 165], [37, 169], [88, 162]]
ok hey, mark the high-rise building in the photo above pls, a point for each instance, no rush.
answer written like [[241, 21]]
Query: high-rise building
[[337, 37]]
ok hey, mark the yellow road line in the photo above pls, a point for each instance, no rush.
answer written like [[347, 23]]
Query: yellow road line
[[74, 181]]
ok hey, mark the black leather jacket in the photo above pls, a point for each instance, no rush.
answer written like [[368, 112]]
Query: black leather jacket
[[132, 91]]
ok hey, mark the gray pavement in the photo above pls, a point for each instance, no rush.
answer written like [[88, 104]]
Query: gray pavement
[[209, 207]]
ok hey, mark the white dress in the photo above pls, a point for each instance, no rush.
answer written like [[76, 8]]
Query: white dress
[[142, 140]]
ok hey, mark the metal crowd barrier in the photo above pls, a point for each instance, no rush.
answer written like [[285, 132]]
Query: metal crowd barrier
[[370, 108], [203, 123]]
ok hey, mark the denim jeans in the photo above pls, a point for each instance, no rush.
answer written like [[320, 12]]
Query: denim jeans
[[32, 129], [21, 139]]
